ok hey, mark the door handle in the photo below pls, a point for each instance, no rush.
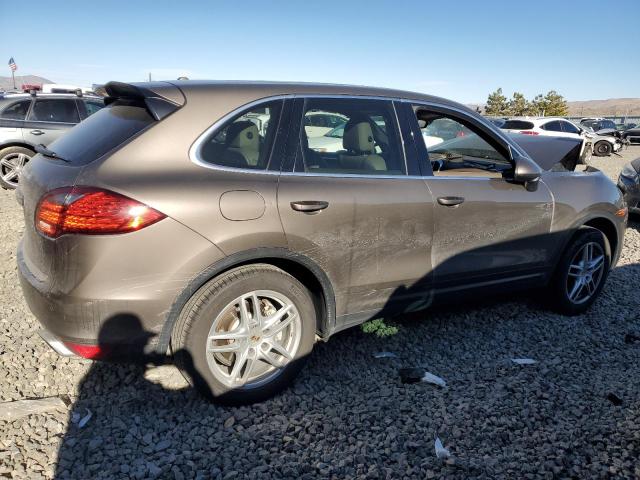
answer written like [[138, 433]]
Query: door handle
[[450, 201], [37, 132], [309, 206]]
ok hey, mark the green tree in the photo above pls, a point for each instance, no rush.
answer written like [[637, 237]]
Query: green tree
[[538, 106], [496, 104], [518, 105], [556, 105]]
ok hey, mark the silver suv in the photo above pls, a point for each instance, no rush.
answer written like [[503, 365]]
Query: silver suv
[[30, 120]]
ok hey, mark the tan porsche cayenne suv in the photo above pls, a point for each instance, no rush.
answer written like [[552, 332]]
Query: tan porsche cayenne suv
[[194, 219]]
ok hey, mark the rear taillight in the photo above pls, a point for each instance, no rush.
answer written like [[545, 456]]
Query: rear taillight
[[529, 132], [91, 211]]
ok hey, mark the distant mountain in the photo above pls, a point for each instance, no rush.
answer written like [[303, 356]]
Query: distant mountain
[[619, 107], [7, 84], [612, 106]]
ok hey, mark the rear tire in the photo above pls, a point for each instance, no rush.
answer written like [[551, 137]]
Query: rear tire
[[230, 354], [602, 149], [581, 272], [12, 160]]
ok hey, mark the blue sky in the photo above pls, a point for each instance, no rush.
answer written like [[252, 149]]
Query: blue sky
[[460, 49]]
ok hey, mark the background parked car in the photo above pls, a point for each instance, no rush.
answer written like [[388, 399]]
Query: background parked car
[[317, 124], [629, 183], [632, 135], [553, 127], [30, 120], [597, 123]]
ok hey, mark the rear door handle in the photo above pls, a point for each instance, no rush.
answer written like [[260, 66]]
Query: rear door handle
[[309, 206], [450, 201], [37, 132]]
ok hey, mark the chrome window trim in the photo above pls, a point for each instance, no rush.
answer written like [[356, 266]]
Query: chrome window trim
[[194, 150]]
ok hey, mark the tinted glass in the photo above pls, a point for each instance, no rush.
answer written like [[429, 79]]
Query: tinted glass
[[366, 141], [246, 141], [16, 111], [55, 110], [517, 125], [457, 148], [102, 132], [552, 127], [92, 106], [569, 127]]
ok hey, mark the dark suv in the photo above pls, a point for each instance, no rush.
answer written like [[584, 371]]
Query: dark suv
[[29, 120], [170, 222]]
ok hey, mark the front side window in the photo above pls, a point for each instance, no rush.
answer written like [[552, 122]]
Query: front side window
[[569, 127], [365, 140], [55, 110], [457, 147], [552, 126], [246, 141], [16, 111]]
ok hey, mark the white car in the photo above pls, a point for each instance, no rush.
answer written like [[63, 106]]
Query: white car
[[317, 123], [554, 127]]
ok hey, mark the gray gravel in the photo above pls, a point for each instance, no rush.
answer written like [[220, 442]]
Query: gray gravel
[[349, 415]]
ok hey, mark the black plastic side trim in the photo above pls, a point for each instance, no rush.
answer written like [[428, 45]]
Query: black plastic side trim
[[241, 258]]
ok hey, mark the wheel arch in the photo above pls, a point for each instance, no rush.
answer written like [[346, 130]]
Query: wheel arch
[[299, 266], [608, 228], [18, 144]]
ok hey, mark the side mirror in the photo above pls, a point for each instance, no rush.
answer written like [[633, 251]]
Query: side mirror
[[525, 171]]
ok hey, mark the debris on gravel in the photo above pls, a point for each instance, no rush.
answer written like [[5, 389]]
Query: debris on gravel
[[523, 361], [347, 416], [11, 411]]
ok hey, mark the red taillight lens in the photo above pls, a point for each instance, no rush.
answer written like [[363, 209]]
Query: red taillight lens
[[529, 132], [91, 211]]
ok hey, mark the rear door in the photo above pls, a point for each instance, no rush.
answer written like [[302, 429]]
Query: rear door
[[359, 211], [486, 228], [50, 118]]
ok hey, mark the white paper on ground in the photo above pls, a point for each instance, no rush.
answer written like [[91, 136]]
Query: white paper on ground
[[441, 452], [436, 380], [523, 361]]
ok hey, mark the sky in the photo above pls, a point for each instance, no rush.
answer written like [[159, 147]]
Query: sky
[[459, 49]]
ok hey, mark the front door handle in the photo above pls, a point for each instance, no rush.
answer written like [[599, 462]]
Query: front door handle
[[37, 132], [450, 201], [309, 206]]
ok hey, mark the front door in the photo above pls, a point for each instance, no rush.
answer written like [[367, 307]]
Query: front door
[[486, 228], [354, 210]]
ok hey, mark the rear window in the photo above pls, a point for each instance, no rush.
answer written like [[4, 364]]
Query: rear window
[[16, 111], [101, 132], [517, 125]]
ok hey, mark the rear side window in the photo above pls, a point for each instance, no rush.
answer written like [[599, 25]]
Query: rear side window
[[92, 106], [246, 141], [55, 110], [102, 132], [16, 111], [517, 125], [365, 141]]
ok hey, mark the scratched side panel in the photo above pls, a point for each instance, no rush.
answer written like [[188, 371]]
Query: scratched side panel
[[374, 239]]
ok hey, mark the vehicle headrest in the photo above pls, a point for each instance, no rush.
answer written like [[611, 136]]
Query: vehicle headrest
[[244, 135], [358, 137]]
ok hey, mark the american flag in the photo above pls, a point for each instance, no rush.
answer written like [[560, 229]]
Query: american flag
[[12, 64]]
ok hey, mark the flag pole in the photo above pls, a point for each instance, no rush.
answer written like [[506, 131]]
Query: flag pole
[[13, 77]]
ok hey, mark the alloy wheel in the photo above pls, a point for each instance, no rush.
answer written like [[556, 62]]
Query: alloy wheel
[[11, 165], [253, 338], [585, 273]]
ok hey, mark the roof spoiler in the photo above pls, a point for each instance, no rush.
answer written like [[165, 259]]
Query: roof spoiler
[[160, 98]]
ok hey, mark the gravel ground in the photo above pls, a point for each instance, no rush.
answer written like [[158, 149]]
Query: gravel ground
[[349, 415]]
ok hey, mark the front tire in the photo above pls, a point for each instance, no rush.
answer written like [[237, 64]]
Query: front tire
[[245, 335], [602, 149], [581, 272], [12, 161]]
